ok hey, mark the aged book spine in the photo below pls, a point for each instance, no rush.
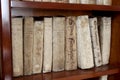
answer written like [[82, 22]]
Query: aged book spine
[[37, 0], [60, 1], [84, 1], [28, 45], [58, 43], [17, 46], [47, 62], [71, 48], [99, 2], [95, 41], [27, 0], [91, 1], [107, 2], [38, 47], [105, 38], [84, 45], [104, 77], [46, 0]]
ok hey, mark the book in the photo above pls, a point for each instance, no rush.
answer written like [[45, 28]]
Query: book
[[105, 39], [58, 43], [28, 45], [27, 0], [95, 41], [99, 2], [73, 1], [71, 48], [84, 1], [104, 77], [84, 45], [107, 2], [38, 0], [60, 1], [47, 62], [91, 1], [46, 0], [17, 46], [38, 47]]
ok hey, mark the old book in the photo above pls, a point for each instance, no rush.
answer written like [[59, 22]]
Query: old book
[[99, 2], [47, 62], [27, 0], [17, 46], [73, 1], [95, 41], [46, 0], [91, 1], [84, 45], [38, 47], [60, 1], [70, 43], [107, 2], [105, 38], [84, 1], [28, 45], [39, 0], [103, 77], [58, 43]]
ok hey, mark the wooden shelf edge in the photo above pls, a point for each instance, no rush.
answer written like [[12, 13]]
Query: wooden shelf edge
[[62, 6], [74, 75]]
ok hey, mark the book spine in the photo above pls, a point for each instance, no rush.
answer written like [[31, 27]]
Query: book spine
[[105, 38], [95, 41], [58, 43], [37, 0], [28, 45], [99, 2], [107, 2], [71, 48], [84, 45], [38, 47], [92, 1], [84, 1], [17, 46], [60, 1], [47, 62], [104, 77], [27, 0], [73, 1]]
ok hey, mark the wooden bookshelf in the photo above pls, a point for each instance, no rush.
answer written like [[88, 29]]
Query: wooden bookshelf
[[74, 75], [25, 8]]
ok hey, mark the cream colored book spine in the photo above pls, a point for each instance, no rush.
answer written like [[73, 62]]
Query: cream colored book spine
[[38, 47], [38, 0], [105, 38], [73, 1], [28, 45], [84, 1], [84, 45], [46, 0], [17, 46], [60, 1], [47, 62], [104, 77], [95, 41], [27, 0], [91, 1], [71, 48], [58, 43], [107, 2], [99, 2]]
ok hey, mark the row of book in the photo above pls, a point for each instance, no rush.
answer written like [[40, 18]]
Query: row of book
[[46, 44], [98, 2]]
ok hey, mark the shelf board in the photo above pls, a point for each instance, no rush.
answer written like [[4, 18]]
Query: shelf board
[[62, 6], [74, 75]]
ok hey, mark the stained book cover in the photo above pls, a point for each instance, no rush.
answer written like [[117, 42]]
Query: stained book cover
[[58, 43], [84, 45], [28, 45], [38, 47], [95, 41], [47, 62], [17, 46], [71, 48]]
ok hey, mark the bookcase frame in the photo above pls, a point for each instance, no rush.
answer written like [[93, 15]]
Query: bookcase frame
[[10, 9]]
